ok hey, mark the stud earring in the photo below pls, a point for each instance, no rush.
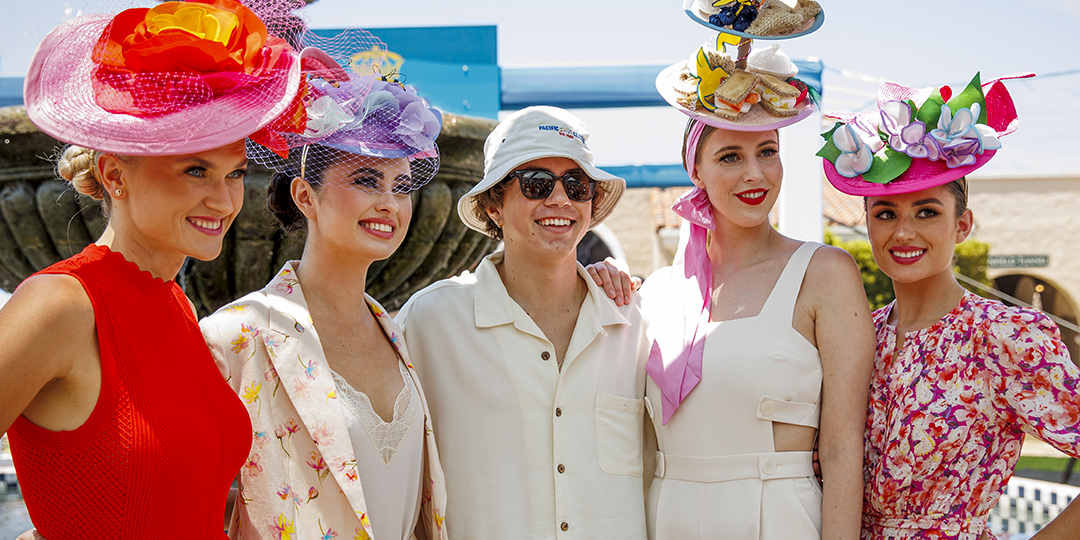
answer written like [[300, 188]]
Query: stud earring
[[119, 192]]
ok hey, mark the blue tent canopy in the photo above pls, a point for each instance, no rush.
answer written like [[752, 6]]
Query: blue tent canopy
[[601, 86]]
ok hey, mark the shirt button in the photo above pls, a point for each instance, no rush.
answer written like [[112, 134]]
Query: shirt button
[[767, 408], [564, 526], [768, 466], [562, 469], [558, 411], [545, 355]]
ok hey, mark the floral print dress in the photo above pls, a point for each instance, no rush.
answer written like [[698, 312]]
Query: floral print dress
[[301, 479], [948, 413]]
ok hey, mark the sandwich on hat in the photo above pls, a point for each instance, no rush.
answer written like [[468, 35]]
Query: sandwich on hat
[[918, 139], [178, 78], [710, 88], [535, 133]]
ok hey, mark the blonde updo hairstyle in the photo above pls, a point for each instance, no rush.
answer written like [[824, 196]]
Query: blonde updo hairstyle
[[78, 165]]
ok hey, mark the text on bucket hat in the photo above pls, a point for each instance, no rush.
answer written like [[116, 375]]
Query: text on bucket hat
[[917, 139], [533, 133], [178, 78]]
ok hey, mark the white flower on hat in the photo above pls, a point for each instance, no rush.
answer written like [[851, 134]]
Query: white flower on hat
[[325, 116], [857, 154]]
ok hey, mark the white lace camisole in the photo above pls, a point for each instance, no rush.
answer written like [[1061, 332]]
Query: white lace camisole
[[389, 456]]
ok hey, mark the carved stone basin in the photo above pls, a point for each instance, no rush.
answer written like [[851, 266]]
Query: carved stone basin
[[44, 221]]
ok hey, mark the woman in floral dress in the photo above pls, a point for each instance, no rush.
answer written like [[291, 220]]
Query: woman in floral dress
[[342, 445], [958, 379]]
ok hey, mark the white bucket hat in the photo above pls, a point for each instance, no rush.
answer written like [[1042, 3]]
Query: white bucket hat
[[534, 133]]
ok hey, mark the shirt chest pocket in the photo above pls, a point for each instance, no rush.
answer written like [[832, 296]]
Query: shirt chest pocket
[[619, 434]]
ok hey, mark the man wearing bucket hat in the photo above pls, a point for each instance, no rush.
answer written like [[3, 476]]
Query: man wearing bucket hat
[[535, 379]]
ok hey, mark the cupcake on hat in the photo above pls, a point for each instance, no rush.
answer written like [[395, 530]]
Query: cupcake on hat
[[711, 88], [918, 139], [178, 78]]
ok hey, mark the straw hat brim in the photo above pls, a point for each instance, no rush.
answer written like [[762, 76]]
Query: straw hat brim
[[756, 119]]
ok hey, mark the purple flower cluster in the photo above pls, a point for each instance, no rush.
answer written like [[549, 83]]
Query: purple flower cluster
[[957, 139]]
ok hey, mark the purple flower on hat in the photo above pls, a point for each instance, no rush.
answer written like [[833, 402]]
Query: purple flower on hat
[[961, 137], [418, 126], [905, 135], [857, 154], [373, 118]]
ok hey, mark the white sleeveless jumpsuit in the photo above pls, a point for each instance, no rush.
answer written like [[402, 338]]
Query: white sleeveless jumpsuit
[[718, 475]]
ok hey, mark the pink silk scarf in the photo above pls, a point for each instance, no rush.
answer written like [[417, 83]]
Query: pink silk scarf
[[678, 336]]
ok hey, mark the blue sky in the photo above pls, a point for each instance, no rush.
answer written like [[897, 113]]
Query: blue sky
[[915, 42]]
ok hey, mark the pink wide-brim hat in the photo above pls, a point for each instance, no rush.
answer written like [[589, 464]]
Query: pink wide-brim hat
[[59, 99], [923, 173]]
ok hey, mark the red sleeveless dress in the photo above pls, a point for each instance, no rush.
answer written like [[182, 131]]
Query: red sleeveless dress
[[159, 452]]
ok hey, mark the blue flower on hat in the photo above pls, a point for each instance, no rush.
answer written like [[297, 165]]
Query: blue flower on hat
[[856, 155], [737, 14]]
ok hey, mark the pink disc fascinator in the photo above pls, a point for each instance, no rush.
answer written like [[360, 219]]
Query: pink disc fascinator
[[177, 78], [918, 138], [354, 115]]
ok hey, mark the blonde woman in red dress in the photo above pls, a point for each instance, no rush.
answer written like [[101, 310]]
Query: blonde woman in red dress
[[120, 423]]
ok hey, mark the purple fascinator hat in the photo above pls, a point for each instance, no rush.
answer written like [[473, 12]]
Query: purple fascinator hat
[[390, 121], [356, 116]]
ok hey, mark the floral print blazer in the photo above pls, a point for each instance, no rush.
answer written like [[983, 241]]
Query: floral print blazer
[[300, 480]]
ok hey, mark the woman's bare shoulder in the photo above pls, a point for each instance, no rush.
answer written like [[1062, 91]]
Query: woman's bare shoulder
[[56, 301]]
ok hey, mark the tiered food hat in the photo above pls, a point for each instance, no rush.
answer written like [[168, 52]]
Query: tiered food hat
[[753, 91]]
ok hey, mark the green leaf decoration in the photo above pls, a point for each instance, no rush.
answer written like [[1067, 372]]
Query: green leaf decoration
[[828, 134], [887, 165], [972, 94], [829, 151], [931, 110]]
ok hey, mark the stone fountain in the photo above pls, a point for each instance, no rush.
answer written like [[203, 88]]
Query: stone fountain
[[44, 221]]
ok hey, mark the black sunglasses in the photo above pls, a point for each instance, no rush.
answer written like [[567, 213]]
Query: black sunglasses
[[538, 184]]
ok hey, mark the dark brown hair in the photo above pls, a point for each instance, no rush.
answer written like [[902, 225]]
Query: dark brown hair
[[279, 192], [959, 191]]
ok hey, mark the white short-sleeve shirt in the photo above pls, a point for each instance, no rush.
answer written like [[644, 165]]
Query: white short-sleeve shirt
[[529, 451]]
